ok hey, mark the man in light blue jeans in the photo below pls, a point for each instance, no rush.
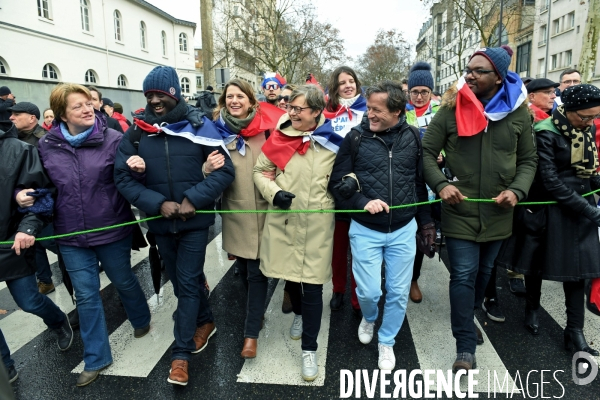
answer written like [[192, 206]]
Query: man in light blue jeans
[[379, 165]]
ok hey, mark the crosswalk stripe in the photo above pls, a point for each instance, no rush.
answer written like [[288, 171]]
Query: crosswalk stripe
[[20, 327], [431, 331], [279, 358], [138, 357], [52, 258]]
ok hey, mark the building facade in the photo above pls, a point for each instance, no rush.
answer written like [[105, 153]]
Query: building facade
[[111, 44]]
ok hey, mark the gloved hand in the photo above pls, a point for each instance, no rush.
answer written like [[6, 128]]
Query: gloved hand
[[426, 239], [194, 116], [347, 187], [592, 213], [283, 199]]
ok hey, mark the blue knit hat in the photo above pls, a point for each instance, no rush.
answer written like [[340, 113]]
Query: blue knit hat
[[498, 56], [164, 80], [420, 75]]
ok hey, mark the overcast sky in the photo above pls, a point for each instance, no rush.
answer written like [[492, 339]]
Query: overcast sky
[[357, 20]]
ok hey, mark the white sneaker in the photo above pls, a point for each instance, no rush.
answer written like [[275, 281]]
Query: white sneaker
[[365, 331], [296, 329], [310, 370], [387, 359]]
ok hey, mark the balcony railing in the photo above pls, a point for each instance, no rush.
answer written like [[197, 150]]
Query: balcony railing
[[542, 43]]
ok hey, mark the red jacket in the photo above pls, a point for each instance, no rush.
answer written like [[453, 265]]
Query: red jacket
[[124, 122]]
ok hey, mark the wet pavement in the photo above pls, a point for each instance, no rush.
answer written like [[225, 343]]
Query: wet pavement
[[141, 366]]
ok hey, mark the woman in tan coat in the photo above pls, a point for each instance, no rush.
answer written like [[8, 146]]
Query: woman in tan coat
[[297, 247], [243, 123]]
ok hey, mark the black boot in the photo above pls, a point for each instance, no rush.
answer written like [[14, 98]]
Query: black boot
[[336, 301], [574, 340], [74, 319], [531, 321]]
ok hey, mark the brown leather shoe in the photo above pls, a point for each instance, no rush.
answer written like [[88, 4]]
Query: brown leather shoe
[[202, 335], [249, 350], [178, 374], [415, 292]]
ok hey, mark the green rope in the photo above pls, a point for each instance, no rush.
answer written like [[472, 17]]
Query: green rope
[[105, 228]]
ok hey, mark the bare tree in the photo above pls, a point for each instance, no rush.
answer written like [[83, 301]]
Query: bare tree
[[589, 49], [387, 58]]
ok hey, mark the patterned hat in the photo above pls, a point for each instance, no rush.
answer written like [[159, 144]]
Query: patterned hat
[[498, 56], [580, 97], [164, 80]]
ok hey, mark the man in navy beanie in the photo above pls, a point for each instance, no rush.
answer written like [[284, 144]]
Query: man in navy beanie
[[484, 126], [174, 186]]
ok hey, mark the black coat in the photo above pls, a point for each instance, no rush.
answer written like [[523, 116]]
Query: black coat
[[557, 241], [392, 175], [4, 106], [20, 168], [206, 102]]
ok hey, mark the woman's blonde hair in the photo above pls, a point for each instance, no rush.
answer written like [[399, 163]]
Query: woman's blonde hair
[[244, 87], [58, 97]]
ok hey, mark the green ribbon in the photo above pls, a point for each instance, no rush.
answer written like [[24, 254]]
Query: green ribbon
[[105, 228]]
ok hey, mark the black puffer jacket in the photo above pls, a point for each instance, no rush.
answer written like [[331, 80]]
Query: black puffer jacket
[[20, 168], [392, 174]]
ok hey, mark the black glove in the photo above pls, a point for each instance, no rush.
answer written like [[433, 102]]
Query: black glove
[[194, 116], [347, 187], [426, 239], [592, 213], [283, 199]]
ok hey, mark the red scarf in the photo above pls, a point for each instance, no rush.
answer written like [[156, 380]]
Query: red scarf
[[266, 118], [146, 127], [421, 110], [46, 127], [538, 113], [280, 148]]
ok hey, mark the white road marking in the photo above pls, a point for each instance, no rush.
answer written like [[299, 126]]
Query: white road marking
[[279, 358], [138, 357], [431, 331], [20, 327]]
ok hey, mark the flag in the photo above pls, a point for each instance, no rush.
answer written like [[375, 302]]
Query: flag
[[472, 117], [359, 107], [206, 134]]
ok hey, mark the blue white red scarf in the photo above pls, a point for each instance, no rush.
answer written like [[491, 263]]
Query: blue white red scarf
[[207, 134]]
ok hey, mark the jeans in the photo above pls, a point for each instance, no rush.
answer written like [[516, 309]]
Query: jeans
[[184, 255], [307, 300], [257, 284], [83, 268], [339, 262], [369, 249], [471, 264], [25, 293]]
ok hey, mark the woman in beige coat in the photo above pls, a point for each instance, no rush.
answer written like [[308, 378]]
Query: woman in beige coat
[[297, 247], [243, 123]]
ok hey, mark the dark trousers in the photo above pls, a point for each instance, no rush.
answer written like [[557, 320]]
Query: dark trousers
[[417, 265], [490, 289], [470, 266], [184, 255], [339, 262], [574, 298], [307, 300], [256, 284]]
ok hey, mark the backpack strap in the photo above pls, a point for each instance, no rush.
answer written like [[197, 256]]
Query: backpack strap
[[135, 136]]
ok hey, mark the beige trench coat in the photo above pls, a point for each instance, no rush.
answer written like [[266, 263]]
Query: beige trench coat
[[242, 233], [298, 247]]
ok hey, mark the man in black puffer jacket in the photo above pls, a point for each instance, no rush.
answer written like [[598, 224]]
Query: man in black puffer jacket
[[379, 165], [161, 174]]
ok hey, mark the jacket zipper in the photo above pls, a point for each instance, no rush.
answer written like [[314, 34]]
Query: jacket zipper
[[390, 191], [170, 180]]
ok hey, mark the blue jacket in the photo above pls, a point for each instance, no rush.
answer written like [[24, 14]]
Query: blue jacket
[[173, 172]]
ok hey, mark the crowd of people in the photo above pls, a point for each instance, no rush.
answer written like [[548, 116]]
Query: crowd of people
[[492, 136]]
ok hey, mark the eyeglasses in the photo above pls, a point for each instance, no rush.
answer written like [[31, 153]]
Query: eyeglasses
[[284, 98], [477, 72], [548, 92], [405, 92], [423, 93], [572, 82], [295, 109], [271, 86], [586, 118]]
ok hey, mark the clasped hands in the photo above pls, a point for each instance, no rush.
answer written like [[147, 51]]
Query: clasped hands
[[172, 210]]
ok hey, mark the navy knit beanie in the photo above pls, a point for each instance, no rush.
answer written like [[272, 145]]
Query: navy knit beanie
[[420, 75], [498, 56], [164, 80]]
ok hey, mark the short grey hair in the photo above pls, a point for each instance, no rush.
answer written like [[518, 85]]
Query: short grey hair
[[313, 96]]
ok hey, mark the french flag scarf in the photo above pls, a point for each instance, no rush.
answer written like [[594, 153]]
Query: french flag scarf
[[472, 117], [207, 134], [266, 118], [280, 148], [359, 105]]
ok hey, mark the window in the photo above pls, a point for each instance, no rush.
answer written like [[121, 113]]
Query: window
[[44, 8], [543, 35], [122, 81], [568, 58], [84, 7], [554, 63], [182, 42], [523, 54], [3, 68], [493, 39], [185, 85], [90, 76], [164, 43], [556, 26], [142, 35], [541, 67], [118, 26], [571, 20], [198, 81], [49, 72]]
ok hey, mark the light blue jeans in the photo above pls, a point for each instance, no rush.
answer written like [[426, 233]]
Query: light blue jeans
[[369, 249]]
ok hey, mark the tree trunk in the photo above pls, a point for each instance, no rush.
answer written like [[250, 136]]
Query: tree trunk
[[589, 49], [207, 42]]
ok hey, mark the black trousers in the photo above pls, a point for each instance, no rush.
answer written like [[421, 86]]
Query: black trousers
[[256, 284], [417, 265], [574, 298], [307, 300], [490, 289]]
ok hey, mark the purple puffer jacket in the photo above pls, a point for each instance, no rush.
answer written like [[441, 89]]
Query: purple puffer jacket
[[87, 196]]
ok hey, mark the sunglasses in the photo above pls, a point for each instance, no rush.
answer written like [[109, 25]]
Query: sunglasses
[[271, 86], [284, 98]]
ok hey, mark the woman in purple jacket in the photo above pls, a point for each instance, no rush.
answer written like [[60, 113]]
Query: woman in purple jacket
[[78, 153]]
